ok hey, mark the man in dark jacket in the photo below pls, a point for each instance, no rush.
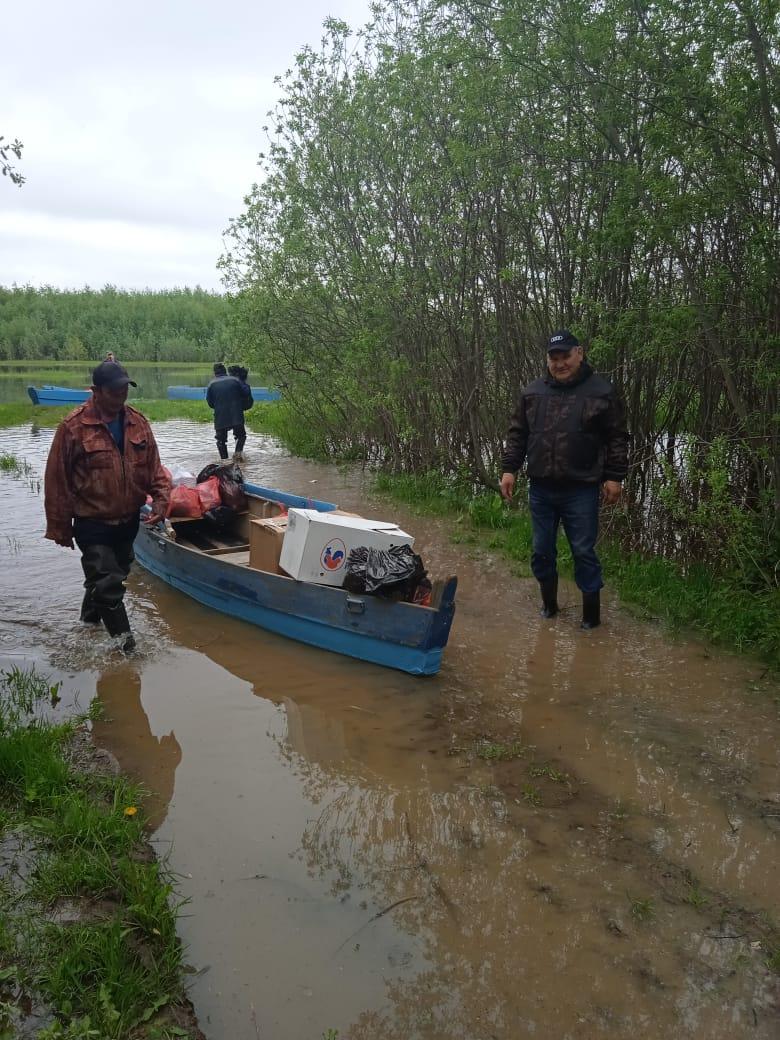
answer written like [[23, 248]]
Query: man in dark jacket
[[229, 398], [570, 429], [102, 463]]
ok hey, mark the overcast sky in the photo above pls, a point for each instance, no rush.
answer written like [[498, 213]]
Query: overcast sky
[[141, 126]]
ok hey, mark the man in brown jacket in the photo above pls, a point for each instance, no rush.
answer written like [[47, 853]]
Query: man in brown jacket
[[102, 463]]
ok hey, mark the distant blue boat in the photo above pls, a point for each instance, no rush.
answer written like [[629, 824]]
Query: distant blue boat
[[57, 395], [198, 393], [214, 568]]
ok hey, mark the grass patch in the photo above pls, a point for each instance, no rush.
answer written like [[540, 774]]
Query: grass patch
[[532, 795], [718, 606], [10, 463], [549, 773], [154, 410], [491, 751], [276, 418], [78, 838], [261, 418], [642, 909], [160, 410], [695, 897]]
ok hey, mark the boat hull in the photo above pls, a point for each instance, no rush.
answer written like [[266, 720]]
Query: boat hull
[[198, 393], [57, 395], [370, 628]]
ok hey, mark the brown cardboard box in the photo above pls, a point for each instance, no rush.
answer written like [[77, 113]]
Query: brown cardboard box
[[265, 543]]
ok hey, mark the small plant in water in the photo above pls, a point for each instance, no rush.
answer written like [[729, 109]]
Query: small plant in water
[[773, 960], [11, 464], [330, 1034], [532, 795], [492, 751], [642, 909], [694, 896], [620, 812], [22, 692], [550, 772]]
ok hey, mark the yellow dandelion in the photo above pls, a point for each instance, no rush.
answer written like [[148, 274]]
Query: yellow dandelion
[[130, 810]]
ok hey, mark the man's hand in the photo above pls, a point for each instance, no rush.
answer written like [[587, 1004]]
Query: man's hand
[[508, 486], [153, 518], [610, 492], [66, 541]]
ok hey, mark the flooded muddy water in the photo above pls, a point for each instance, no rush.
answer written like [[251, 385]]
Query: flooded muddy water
[[563, 834]]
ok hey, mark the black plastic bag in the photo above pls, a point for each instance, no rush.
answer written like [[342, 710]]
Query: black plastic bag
[[230, 479], [395, 572], [223, 470], [220, 518]]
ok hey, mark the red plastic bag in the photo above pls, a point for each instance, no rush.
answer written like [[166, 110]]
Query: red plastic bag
[[209, 495], [185, 502]]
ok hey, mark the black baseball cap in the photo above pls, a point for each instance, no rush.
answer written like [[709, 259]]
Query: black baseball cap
[[562, 339], [111, 374]]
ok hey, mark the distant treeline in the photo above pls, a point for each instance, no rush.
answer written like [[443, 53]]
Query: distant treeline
[[174, 325], [447, 187]]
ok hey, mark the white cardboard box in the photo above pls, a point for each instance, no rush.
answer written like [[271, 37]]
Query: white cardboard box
[[316, 545]]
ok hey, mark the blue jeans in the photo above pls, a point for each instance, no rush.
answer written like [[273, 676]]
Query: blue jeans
[[577, 507]]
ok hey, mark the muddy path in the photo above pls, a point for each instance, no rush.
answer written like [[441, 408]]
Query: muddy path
[[562, 834]]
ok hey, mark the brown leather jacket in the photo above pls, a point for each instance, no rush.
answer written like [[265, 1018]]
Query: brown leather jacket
[[87, 476]]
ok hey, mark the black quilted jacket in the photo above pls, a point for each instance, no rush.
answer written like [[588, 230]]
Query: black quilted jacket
[[569, 431]]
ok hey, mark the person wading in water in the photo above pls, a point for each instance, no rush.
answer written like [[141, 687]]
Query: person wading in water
[[102, 463]]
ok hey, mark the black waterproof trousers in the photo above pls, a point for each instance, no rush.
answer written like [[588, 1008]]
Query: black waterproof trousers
[[106, 556], [221, 437]]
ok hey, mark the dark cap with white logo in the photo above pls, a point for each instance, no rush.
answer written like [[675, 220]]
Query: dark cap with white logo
[[563, 340]]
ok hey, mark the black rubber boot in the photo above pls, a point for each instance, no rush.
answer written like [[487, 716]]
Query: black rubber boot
[[115, 620], [90, 614], [549, 597], [591, 609]]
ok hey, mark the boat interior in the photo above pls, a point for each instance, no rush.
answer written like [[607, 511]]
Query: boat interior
[[234, 543]]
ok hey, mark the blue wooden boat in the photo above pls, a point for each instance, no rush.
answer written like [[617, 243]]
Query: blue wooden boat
[[57, 395], [214, 569], [198, 393]]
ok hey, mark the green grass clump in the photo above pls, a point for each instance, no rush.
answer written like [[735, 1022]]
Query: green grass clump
[[276, 419], [642, 909], [160, 410], [16, 414], [119, 963], [492, 751]]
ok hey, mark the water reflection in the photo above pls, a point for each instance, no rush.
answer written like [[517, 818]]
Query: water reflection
[[124, 730], [494, 916]]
